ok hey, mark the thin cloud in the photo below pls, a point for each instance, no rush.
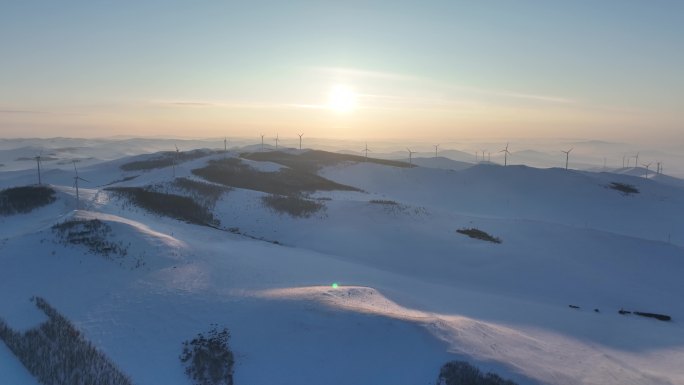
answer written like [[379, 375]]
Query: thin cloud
[[231, 104], [8, 111], [381, 75], [358, 73], [190, 104], [392, 102], [517, 95]]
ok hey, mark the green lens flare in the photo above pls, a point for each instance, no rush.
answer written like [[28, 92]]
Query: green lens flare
[[334, 285]]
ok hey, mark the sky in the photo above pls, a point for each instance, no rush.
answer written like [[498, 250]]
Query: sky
[[608, 70]]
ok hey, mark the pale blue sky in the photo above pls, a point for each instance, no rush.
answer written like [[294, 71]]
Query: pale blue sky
[[498, 68]]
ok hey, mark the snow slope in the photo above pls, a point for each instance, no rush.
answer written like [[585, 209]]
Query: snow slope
[[412, 292]]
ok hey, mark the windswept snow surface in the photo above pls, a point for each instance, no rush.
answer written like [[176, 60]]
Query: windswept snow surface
[[411, 292]]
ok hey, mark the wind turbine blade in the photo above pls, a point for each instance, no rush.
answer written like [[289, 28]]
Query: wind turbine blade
[[85, 180]]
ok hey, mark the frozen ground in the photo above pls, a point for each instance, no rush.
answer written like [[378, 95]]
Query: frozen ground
[[412, 293]]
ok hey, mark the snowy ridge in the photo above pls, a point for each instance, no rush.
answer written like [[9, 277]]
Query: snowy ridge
[[413, 293], [545, 356], [141, 229]]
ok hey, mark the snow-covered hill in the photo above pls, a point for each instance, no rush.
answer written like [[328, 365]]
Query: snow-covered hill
[[409, 293]]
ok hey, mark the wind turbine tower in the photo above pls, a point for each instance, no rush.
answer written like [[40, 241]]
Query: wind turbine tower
[[38, 161], [436, 148], [225, 147], [506, 153], [636, 160], [410, 155], [567, 157], [262, 142], [76, 179], [648, 166], [366, 151], [276, 140], [300, 140], [175, 160]]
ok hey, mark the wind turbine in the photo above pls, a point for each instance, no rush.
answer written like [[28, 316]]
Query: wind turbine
[[174, 160], [506, 153], [76, 179], [38, 161], [366, 151], [225, 147], [436, 148], [410, 155], [636, 160], [647, 165], [262, 142], [483, 155], [300, 140], [567, 156], [276, 140]]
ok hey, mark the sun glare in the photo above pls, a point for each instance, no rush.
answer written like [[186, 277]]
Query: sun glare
[[342, 99]]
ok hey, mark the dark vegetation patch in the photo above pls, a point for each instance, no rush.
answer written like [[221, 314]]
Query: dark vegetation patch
[[56, 353], [398, 209], [462, 373], [286, 181], [164, 159], [70, 161], [624, 188], [95, 235], [292, 205], [661, 317], [208, 193], [208, 359], [315, 159], [24, 199], [124, 179], [43, 158], [170, 205], [479, 234], [67, 149], [383, 202], [236, 230]]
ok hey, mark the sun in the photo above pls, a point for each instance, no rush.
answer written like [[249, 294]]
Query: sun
[[342, 99]]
